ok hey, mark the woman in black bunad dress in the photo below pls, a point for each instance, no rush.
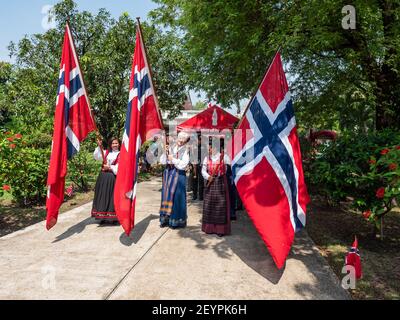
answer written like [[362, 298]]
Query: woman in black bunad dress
[[216, 205], [103, 202]]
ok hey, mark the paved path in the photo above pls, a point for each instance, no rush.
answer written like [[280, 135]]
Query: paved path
[[80, 259]]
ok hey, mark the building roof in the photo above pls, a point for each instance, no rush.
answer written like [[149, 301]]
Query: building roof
[[211, 118]]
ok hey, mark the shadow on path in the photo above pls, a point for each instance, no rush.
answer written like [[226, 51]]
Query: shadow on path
[[244, 242], [76, 229], [137, 232]]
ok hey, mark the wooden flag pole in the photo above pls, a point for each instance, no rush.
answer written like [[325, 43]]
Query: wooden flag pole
[[144, 49], [86, 95]]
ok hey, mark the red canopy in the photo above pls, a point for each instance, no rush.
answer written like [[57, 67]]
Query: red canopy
[[211, 118]]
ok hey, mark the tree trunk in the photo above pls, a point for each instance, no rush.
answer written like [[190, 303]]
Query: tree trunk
[[387, 91], [386, 99]]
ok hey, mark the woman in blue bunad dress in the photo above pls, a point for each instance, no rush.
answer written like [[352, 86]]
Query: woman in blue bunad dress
[[103, 202], [173, 211]]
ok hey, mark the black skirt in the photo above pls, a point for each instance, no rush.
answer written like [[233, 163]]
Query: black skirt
[[215, 205], [103, 202]]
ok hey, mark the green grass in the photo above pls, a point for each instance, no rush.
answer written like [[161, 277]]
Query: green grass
[[333, 230]]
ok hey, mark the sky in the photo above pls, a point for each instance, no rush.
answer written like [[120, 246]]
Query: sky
[[25, 17], [21, 17]]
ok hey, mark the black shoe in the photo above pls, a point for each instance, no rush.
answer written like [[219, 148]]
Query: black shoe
[[220, 235]]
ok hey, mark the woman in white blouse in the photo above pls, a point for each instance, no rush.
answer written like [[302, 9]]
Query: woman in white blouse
[[216, 205], [173, 211], [103, 202]]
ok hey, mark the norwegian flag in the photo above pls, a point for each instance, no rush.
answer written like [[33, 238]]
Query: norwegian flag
[[267, 165], [72, 123], [143, 121], [353, 259]]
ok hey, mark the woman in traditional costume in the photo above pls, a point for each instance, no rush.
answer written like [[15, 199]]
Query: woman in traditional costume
[[173, 211], [103, 202], [216, 205]]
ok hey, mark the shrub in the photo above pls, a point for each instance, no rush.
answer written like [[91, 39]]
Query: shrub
[[82, 168], [22, 169], [363, 168]]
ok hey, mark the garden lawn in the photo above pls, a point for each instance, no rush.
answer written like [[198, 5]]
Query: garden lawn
[[333, 230]]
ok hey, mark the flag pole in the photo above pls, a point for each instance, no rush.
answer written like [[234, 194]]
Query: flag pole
[[86, 95], [144, 49], [255, 91]]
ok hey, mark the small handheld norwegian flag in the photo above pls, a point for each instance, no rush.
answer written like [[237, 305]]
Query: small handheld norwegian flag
[[353, 259]]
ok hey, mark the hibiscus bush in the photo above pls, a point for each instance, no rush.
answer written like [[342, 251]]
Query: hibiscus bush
[[23, 169], [384, 173], [362, 168]]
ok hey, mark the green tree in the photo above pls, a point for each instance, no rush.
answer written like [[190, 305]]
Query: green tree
[[105, 48], [5, 75], [28, 91], [340, 78], [199, 105]]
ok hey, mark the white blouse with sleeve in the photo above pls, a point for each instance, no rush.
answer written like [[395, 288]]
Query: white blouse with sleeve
[[112, 155], [180, 156], [163, 157], [214, 158]]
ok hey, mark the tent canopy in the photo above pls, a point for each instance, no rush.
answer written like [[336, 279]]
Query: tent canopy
[[211, 118]]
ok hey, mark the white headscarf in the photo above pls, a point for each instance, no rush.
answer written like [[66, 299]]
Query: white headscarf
[[183, 136]]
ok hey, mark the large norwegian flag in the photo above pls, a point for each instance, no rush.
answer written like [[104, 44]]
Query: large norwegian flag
[[72, 123], [267, 165], [143, 120]]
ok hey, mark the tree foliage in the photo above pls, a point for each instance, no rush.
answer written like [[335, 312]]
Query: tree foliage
[[105, 48], [28, 91], [340, 78]]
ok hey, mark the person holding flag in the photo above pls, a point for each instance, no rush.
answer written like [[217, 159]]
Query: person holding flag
[[73, 121], [216, 205], [103, 202], [143, 121], [173, 210]]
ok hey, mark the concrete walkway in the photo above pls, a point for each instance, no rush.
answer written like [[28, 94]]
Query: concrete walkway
[[80, 259]]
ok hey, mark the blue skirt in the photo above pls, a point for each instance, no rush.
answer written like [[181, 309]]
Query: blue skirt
[[177, 218]]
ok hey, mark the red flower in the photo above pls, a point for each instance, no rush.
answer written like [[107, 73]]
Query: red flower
[[384, 151], [380, 193], [11, 139], [372, 161], [6, 187], [12, 146], [393, 166], [366, 214], [398, 147], [18, 136], [8, 132]]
